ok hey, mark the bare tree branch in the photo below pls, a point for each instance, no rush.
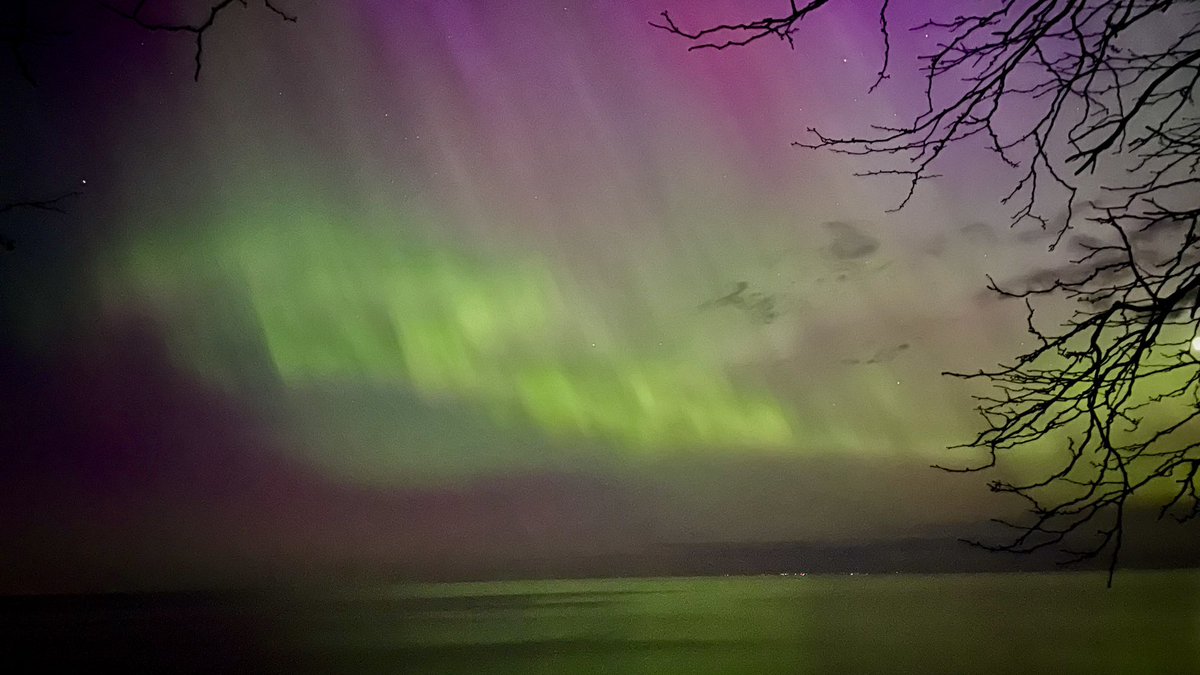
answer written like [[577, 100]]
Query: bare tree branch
[[724, 36], [53, 204], [1115, 391], [887, 47], [137, 15], [23, 32]]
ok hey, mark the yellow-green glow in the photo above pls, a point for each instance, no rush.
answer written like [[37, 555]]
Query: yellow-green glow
[[333, 303]]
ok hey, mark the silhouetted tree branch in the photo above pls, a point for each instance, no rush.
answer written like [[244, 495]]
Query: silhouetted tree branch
[[137, 14], [724, 36], [52, 204], [21, 30], [1062, 91]]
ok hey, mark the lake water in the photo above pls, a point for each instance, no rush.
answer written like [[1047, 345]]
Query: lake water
[[980, 623]]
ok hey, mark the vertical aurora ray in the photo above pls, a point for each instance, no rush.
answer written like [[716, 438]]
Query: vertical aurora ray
[[516, 213], [333, 305], [435, 285]]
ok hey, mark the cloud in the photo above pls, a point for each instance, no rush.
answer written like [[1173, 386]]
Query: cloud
[[849, 241], [978, 232], [882, 355]]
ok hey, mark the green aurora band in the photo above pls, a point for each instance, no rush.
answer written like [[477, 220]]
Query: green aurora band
[[333, 304]]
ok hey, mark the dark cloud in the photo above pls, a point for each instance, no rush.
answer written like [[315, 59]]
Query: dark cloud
[[1105, 268], [978, 232], [1085, 243], [1037, 279], [760, 307], [1035, 235], [849, 241], [1163, 228], [1048, 233], [882, 355]]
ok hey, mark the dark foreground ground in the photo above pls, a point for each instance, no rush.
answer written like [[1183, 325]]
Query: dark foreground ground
[[979, 623]]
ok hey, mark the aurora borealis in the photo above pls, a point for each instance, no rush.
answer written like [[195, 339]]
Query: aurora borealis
[[507, 338], [417, 283]]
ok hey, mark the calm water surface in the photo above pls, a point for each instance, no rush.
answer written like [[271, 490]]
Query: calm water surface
[[983, 623]]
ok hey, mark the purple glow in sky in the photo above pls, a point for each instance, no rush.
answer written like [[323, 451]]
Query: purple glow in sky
[[436, 283]]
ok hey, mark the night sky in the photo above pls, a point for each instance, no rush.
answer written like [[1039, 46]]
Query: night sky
[[452, 284]]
